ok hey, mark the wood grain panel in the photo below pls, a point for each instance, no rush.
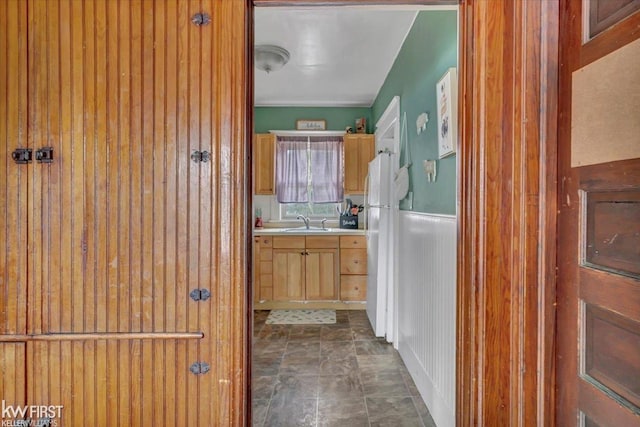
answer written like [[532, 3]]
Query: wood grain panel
[[612, 353], [321, 242], [600, 408], [297, 242], [125, 224], [353, 287], [321, 274], [606, 13], [620, 296], [612, 238], [14, 177], [13, 384], [118, 380], [353, 242], [353, 261], [507, 185], [612, 292], [102, 115]]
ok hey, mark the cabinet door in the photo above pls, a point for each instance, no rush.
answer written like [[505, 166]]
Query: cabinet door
[[321, 274], [366, 152], [288, 274], [263, 163], [351, 165], [358, 152]]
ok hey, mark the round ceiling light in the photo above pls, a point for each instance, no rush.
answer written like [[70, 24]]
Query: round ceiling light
[[270, 58]]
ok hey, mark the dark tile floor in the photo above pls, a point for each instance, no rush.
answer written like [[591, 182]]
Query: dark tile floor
[[331, 375]]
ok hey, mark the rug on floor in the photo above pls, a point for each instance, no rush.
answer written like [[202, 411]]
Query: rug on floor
[[301, 317]]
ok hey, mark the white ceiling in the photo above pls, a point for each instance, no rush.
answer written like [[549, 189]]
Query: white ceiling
[[339, 56]]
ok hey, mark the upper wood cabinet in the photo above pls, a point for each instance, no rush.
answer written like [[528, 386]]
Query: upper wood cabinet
[[359, 150], [264, 163]]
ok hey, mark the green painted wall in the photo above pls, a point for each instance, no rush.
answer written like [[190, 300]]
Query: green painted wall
[[429, 50], [284, 118]]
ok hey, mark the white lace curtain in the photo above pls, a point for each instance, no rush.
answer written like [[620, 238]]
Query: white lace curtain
[[301, 157]]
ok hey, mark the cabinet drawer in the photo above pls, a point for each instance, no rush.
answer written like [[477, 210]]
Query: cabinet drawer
[[353, 261], [322, 242], [265, 241], [353, 242], [292, 242], [353, 288]]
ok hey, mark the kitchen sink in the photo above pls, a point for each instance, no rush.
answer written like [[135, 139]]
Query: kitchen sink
[[304, 229]]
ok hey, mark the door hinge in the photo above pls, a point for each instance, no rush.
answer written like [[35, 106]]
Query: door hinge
[[44, 155], [200, 156], [200, 294], [22, 155], [198, 368], [200, 19]]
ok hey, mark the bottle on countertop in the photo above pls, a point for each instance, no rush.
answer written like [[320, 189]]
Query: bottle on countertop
[[258, 223]]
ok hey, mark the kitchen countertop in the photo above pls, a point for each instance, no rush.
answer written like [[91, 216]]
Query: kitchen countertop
[[305, 232]]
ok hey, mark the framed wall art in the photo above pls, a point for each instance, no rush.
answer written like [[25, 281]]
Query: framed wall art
[[311, 124], [447, 102]]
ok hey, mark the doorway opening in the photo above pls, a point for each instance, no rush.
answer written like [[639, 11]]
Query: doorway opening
[[281, 281]]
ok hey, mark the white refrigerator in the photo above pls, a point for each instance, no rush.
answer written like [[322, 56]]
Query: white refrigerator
[[378, 229]]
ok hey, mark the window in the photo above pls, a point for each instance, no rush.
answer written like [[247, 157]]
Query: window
[[309, 175]]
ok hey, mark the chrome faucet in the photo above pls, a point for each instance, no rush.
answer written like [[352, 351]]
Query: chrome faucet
[[323, 221], [304, 219]]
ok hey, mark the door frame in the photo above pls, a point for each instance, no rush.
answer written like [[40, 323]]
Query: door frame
[[506, 202]]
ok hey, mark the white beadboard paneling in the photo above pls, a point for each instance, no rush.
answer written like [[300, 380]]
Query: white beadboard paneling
[[427, 308]]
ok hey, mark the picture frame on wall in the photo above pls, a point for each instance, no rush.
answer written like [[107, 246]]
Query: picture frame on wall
[[305, 124], [447, 105]]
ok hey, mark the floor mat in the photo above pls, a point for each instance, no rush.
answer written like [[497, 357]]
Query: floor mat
[[301, 317]]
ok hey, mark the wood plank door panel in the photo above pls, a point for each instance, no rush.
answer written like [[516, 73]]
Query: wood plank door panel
[[92, 380], [118, 230], [14, 179], [322, 267], [126, 222], [288, 274], [13, 381]]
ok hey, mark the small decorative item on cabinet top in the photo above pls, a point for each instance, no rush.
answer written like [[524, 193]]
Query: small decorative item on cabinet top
[[361, 125], [311, 124]]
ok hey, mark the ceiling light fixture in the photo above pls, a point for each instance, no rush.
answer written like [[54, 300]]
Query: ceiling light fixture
[[270, 58]]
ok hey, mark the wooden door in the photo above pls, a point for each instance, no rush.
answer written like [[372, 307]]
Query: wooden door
[[132, 224], [13, 202], [321, 271], [288, 274], [264, 163], [598, 356]]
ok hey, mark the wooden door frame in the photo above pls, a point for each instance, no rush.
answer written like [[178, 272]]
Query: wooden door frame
[[507, 169]]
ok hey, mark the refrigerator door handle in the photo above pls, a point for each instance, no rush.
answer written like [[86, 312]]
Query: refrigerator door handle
[[366, 204]]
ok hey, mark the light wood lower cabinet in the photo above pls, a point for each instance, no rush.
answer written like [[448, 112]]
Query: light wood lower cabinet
[[353, 268], [288, 274], [310, 268], [321, 274]]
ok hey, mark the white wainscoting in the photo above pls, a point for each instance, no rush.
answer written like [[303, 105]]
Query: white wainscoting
[[427, 308]]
